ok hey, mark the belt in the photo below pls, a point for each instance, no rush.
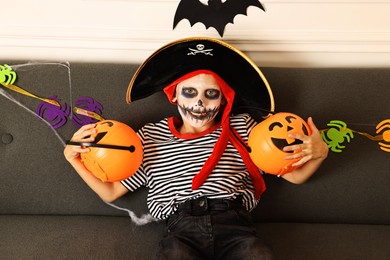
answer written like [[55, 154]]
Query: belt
[[203, 205]]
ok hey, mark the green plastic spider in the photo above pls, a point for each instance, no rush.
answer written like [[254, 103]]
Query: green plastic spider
[[336, 135], [7, 76]]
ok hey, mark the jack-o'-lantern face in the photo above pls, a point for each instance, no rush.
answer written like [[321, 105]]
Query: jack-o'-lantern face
[[268, 139], [283, 124], [103, 128]]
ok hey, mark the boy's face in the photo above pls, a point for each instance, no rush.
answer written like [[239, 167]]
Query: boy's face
[[199, 99]]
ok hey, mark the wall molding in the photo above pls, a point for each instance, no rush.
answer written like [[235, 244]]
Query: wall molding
[[120, 44], [112, 34], [290, 33]]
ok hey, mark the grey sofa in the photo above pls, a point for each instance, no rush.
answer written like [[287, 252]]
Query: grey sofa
[[47, 212]]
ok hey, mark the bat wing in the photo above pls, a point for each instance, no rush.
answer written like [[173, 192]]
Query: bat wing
[[192, 10], [218, 18], [232, 8]]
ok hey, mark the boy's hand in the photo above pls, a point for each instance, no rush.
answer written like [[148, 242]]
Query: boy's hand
[[84, 134], [311, 148]]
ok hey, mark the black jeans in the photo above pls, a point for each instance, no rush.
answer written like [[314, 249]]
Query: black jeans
[[212, 229]]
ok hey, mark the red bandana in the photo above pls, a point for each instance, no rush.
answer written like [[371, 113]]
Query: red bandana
[[228, 134]]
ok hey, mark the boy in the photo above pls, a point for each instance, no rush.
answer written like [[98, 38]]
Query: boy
[[197, 168]]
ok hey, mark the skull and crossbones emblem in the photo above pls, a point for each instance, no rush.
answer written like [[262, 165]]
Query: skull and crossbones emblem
[[200, 48]]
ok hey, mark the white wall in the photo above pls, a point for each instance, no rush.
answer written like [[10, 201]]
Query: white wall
[[290, 33]]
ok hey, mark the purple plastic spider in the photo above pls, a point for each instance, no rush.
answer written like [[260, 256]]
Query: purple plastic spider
[[56, 116], [89, 104]]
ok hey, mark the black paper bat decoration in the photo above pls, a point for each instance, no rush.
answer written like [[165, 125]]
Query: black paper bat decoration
[[216, 14]]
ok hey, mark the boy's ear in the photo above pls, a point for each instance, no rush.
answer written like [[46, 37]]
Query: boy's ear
[[174, 97], [223, 101]]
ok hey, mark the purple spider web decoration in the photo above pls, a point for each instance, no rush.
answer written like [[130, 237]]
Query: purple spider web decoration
[[56, 116], [89, 104]]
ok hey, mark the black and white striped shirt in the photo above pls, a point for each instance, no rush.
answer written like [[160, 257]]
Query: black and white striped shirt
[[172, 159]]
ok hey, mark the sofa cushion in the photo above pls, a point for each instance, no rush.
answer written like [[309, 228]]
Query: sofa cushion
[[104, 237]]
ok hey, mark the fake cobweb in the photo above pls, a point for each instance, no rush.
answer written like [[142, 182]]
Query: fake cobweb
[[27, 85], [43, 90]]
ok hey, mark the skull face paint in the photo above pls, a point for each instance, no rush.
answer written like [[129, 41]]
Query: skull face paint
[[199, 99]]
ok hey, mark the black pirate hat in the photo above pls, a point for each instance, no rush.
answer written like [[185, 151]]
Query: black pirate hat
[[183, 56]]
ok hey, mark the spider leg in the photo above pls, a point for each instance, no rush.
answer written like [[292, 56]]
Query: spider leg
[[384, 147], [325, 137], [348, 138], [338, 148], [335, 149], [337, 123], [11, 77]]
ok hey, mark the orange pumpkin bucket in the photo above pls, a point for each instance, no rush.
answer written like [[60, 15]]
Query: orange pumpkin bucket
[[116, 153], [268, 138]]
